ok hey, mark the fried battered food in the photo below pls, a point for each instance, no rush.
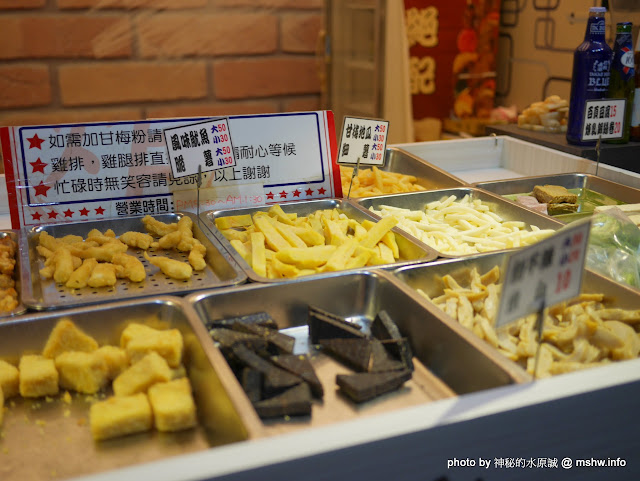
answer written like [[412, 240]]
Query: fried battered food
[[104, 274], [156, 227], [196, 256], [6, 281], [181, 239], [103, 253], [8, 299], [137, 239], [80, 277], [170, 267], [133, 268]]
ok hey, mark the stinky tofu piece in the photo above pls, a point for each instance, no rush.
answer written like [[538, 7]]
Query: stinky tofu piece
[[132, 330], [119, 416], [85, 372], [172, 405], [66, 336], [9, 379], [38, 376], [143, 374], [115, 358], [168, 343]]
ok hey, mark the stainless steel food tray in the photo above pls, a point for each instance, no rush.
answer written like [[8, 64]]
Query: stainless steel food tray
[[51, 439], [428, 175], [427, 278], [620, 192], [39, 294], [411, 250], [417, 200], [458, 361], [20, 308]]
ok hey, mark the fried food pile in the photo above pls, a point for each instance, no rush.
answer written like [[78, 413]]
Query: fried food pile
[[463, 226], [101, 258], [280, 245], [550, 115], [582, 333], [8, 293], [370, 182]]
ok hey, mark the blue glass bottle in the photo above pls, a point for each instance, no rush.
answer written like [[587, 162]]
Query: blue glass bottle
[[591, 70]]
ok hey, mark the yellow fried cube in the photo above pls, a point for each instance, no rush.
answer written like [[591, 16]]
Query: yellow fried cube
[[85, 372], [140, 376], [168, 343], [9, 379], [115, 358], [119, 416], [38, 376], [132, 330], [66, 336], [172, 405]]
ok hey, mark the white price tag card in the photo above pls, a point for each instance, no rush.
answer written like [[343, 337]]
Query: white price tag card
[[364, 138], [204, 144], [544, 274], [603, 119]]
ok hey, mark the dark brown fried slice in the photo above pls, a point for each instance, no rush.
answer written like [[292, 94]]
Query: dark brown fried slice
[[361, 387], [295, 401], [363, 355], [300, 365]]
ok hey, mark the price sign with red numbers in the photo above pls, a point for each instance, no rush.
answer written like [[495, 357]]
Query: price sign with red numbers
[[603, 119], [205, 144], [365, 139], [545, 273]]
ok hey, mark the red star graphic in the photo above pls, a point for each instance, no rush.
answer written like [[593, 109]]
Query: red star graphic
[[53, 214], [35, 142], [321, 191], [308, 192], [38, 166], [296, 193], [68, 213], [99, 211], [84, 211], [41, 188], [270, 196], [283, 195], [36, 216]]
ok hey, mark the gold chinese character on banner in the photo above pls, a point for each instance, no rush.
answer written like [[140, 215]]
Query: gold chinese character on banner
[[423, 75], [422, 26]]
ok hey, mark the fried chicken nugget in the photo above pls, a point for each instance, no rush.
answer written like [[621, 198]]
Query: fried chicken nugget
[[104, 275], [133, 268], [170, 267], [157, 227], [196, 256], [6, 281], [8, 299], [80, 277], [137, 239]]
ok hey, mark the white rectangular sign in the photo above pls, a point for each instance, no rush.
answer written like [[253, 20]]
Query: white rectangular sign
[[544, 274], [204, 144], [364, 138], [603, 119]]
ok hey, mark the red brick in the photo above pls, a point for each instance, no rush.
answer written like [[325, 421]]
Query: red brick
[[49, 117], [301, 4], [23, 85], [306, 104], [300, 33], [64, 36], [8, 4], [128, 4], [119, 82], [212, 109], [185, 34], [234, 79]]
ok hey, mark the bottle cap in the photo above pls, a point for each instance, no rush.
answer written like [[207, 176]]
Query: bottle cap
[[598, 9]]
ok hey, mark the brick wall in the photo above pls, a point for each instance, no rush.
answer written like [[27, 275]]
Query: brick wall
[[102, 60]]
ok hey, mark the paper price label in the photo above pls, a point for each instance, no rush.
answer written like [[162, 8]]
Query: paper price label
[[603, 119], [205, 144], [363, 138], [544, 274]]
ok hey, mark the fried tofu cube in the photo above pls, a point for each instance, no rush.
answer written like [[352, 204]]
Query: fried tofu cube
[[9, 379], [66, 336], [85, 372], [38, 376], [172, 405], [134, 329], [168, 343], [143, 374], [115, 358], [119, 416]]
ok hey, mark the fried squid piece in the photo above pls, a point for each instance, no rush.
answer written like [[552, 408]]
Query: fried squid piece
[[133, 268], [103, 253], [196, 256], [170, 267], [104, 275], [156, 227], [137, 239], [80, 277]]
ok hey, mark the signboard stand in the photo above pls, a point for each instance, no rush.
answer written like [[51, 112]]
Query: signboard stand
[[353, 175], [540, 326]]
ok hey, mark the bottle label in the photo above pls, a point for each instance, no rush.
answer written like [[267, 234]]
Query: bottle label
[[597, 27], [627, 58], [599, 76]]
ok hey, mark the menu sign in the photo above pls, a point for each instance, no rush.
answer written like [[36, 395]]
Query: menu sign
[[78, 172], [364, 139]]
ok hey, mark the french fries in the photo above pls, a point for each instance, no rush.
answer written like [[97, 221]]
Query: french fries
[[281, 245], [370, 182]]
